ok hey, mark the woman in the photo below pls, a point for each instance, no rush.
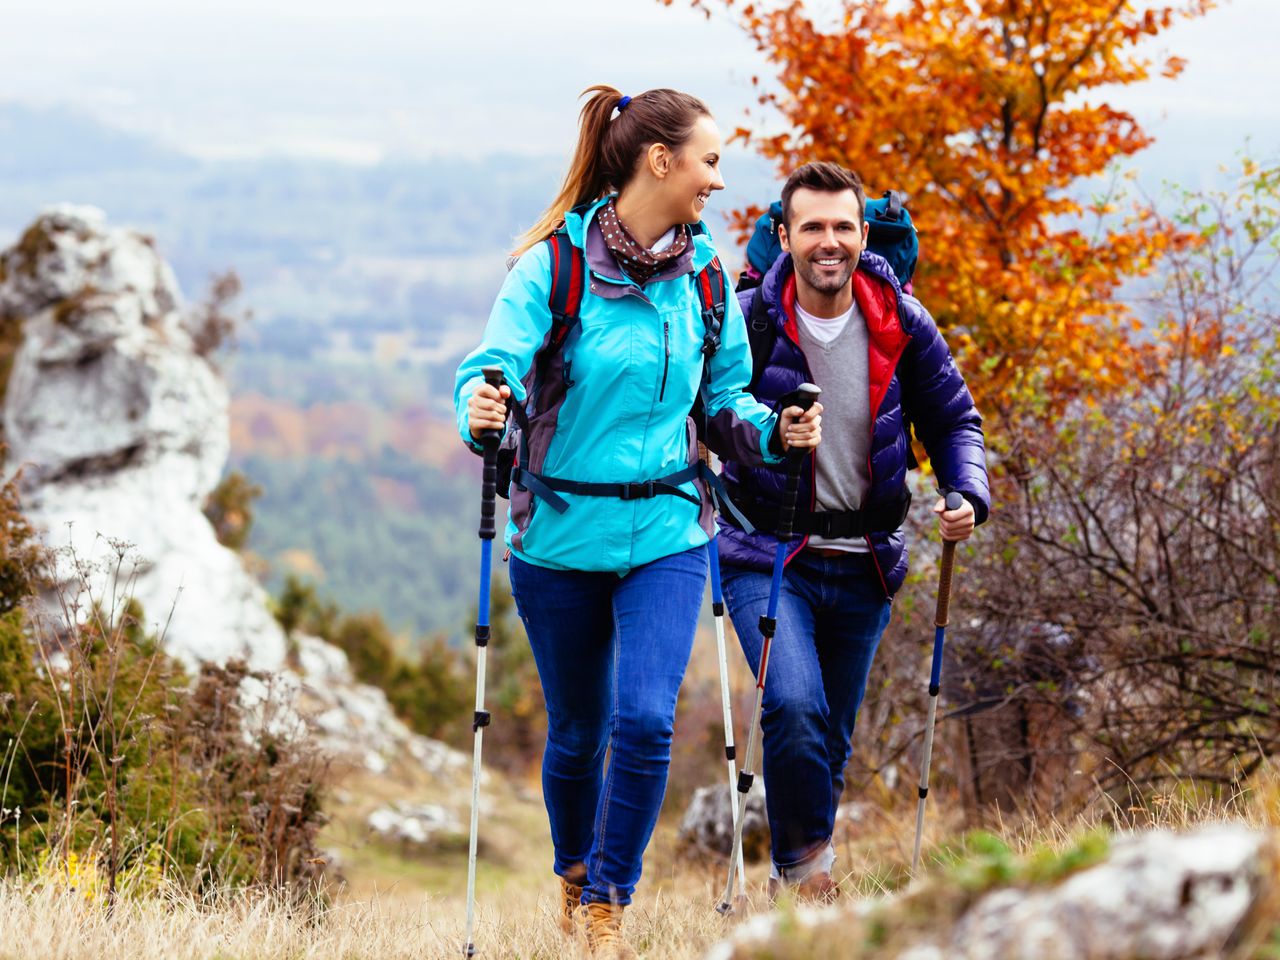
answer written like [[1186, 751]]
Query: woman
[[608, 568]]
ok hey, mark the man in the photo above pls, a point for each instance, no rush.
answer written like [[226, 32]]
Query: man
[[838, 318]]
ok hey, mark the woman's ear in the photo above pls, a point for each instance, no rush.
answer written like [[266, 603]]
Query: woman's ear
[[659, 159]]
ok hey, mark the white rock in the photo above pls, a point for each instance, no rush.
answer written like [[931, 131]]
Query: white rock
[[121, 431], [414, 824], [1159, 896]]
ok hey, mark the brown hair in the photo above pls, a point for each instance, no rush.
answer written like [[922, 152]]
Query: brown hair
[[609, 147], [825, 177]]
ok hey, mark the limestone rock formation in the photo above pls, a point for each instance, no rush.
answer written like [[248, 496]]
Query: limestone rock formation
[[118, 422], [120, 429], [1157, 896]]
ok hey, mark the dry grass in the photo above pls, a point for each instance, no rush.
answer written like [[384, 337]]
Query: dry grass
[[396, 905]]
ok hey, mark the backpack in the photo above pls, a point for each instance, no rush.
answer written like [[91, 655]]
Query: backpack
[[891, 234], [897, 244], [568, 270]]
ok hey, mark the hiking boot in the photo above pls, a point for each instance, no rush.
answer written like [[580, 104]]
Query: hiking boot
[[818, 888], [570, 900], [601, 925]]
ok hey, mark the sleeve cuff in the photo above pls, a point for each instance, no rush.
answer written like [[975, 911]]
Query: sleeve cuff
[[773, 452]]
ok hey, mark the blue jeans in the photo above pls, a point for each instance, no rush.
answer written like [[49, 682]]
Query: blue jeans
[[831, 613], [611, 654]]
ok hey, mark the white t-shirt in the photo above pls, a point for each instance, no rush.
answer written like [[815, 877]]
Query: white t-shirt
[[823, 329], [836, 351]]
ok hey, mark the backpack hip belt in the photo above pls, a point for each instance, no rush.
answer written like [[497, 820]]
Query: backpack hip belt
[[833, 525], [568, 273], [548, 489]]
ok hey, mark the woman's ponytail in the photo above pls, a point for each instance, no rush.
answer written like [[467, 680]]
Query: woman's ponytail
[[585, 180], [609, 147]]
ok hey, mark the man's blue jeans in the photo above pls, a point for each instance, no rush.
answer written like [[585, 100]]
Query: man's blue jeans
[[831, 613], [611, 654]]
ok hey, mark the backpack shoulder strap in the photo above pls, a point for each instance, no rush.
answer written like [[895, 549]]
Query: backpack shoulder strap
[[712, 289], [565, 302], [566, 287], [762, 334]]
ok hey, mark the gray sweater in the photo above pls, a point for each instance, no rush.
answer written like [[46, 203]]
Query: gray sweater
[[839, 367]]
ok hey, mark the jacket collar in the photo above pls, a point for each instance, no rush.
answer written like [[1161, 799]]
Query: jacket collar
[[875, 288], [584, 232]]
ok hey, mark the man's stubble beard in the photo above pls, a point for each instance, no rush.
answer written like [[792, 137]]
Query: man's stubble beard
[[823, 286]]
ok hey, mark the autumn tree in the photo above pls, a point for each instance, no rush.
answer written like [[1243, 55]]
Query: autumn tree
[[1145, 532], [991, 115]]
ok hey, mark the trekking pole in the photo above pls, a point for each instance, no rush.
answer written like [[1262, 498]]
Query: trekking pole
[[804, 398], [730, 751], [488, 493], [953, 502]]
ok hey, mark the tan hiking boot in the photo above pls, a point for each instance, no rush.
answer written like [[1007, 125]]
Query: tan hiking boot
[[570, 900], [602, 927]]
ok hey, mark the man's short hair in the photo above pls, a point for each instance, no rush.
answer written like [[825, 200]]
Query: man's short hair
[[825, 177]]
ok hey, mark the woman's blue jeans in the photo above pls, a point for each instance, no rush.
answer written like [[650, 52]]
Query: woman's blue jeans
[[831, 613], [611, 654]]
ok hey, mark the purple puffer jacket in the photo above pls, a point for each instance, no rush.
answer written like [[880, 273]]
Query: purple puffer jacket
[[913, 381]]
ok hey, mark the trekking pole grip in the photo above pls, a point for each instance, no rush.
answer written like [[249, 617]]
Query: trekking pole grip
[[490, 439], [804, 397], [954, 501]]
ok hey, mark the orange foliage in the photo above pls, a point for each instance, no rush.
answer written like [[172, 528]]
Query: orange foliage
[[989, 114], [350, 430]]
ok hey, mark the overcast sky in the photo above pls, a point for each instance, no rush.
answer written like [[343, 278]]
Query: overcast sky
[[364, 79]]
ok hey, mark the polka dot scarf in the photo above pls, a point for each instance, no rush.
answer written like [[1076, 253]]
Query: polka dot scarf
[[639, 264]]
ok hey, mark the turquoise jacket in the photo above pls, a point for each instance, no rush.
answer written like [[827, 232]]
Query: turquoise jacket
[[624, 384]]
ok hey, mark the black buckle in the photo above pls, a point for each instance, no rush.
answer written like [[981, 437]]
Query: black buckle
[[710, 344], [904, 509], [637, 491]]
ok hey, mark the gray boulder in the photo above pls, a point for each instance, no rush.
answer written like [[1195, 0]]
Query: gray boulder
[[707, 825]]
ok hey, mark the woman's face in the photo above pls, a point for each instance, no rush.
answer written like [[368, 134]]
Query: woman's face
[[695, 172]]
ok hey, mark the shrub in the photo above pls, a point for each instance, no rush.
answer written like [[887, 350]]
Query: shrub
[[229, 508], [114, 765]]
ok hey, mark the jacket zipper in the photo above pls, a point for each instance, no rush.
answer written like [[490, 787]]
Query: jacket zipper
[[666, 357]]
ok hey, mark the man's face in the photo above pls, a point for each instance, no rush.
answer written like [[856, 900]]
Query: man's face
[[825, 238]]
